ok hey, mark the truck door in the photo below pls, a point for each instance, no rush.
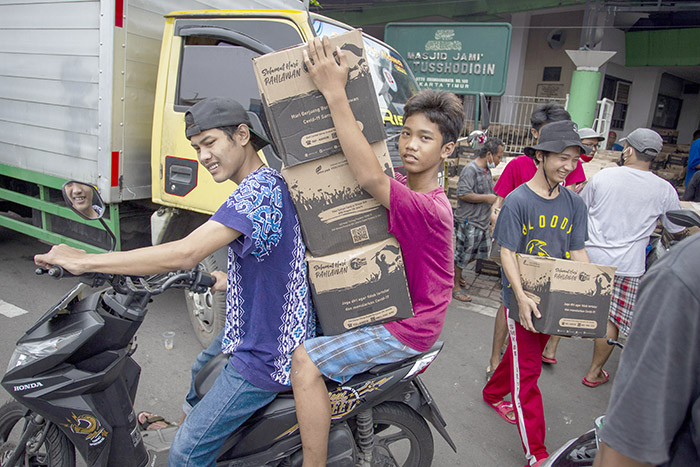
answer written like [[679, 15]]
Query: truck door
[[210, 57]]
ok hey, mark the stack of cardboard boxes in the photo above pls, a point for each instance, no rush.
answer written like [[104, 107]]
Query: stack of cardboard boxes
[[355, 266]]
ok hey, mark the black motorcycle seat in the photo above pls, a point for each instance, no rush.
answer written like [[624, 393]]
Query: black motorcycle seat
[[208, 374]]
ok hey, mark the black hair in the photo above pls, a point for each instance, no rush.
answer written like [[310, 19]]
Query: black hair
[[442, 108], [696, 135], [491, 145], [547, 113]]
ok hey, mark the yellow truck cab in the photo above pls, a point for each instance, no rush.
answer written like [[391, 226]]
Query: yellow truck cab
[[209, 53], [93, 100]]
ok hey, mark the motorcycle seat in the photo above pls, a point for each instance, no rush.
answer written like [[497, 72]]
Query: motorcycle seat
[[208, 374]]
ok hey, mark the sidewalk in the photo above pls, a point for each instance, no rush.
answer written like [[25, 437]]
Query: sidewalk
[[484, 289]]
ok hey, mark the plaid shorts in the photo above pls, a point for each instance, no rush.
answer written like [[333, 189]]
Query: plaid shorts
[[471, 243], [624, 295], [343, 356]]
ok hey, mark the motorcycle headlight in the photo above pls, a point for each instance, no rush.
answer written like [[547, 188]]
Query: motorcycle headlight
[[30, 351]]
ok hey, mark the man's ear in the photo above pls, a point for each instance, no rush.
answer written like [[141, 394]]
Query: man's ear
[[539, 156], [447, 149], [243, 134]]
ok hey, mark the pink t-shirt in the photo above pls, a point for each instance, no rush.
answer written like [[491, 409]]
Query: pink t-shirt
[[521, 170], [422, 224]]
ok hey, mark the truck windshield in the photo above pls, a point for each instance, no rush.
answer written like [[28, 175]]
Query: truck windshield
[[393, 81]]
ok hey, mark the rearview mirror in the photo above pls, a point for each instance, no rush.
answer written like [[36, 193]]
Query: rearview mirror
[[83, 199]]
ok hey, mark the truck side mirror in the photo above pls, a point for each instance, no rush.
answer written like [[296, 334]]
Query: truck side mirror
[[83, 199]]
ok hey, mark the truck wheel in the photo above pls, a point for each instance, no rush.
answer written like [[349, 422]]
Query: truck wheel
[[207, 310]]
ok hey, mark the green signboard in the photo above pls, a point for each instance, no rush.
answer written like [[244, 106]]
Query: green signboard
[[464, 58]]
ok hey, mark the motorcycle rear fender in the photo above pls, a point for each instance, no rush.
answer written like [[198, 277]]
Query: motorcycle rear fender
[[430, 411]]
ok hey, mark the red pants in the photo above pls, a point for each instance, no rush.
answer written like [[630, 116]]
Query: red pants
[[517, 374]]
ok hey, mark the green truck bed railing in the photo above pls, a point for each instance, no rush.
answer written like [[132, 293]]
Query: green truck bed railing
[[46, 207]]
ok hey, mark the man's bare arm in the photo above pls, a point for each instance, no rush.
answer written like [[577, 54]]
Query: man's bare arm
[[608, 457], [526, 306], [180, 254], [331, 77]]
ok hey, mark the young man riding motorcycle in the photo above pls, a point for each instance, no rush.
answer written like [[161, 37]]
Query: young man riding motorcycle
[[264, 321]]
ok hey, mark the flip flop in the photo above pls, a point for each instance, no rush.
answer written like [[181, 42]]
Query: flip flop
[[504, 408], [489, 373], [594, 384], [550, 361], [149, 422], [461, 296]]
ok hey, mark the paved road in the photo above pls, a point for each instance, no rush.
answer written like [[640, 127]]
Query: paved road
[[455, 379]]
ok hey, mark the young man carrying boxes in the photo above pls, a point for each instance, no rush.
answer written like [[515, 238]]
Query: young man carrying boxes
[[418, 214], [539, 218]]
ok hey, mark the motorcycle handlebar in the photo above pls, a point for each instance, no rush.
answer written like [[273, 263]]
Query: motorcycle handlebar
[[57, 272]]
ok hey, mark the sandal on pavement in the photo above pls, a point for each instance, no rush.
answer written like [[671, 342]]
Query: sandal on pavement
[[504, 408], [550, 361], [594, 384], [461, 296], [148, 421]]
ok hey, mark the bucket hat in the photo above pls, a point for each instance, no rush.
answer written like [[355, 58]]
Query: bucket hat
[[215, 112], [556, 137], [644, 141]]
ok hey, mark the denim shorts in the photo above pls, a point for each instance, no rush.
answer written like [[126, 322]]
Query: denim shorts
[[343, 356]]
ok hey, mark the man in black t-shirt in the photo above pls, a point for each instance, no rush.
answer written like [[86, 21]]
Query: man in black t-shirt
[[654, 411], [543, 219]]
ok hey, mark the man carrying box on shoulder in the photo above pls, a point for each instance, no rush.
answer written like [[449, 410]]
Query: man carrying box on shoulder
[[418, 214], [538, 218]]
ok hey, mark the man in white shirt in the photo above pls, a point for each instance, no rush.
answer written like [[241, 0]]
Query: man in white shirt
[[624, 204]]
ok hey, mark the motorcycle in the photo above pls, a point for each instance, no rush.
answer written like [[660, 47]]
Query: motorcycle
[[581, 451], [74, 382]]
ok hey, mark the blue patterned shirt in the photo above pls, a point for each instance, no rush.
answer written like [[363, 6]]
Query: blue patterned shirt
[[268, 308]]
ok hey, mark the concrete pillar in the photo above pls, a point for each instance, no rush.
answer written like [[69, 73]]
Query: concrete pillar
[[585, 83]]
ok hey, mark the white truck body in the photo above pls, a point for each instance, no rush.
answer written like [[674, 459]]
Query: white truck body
[[77, 85]]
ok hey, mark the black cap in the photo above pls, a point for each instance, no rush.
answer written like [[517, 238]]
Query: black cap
[[557, 136], [216, 112]]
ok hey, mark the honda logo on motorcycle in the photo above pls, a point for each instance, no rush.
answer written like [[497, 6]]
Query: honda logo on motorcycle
[[24, 387]]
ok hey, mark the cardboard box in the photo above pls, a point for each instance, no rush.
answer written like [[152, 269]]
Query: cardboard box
[[363, 286], [335, 213], [300, 121], [573, 297], [452, 185]]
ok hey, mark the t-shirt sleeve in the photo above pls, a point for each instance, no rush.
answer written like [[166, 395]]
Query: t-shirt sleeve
[[579, 232], [576, 176], [505, 182], [243, 210], [656, 383], [672, 204], [467, 180], [508, 230]]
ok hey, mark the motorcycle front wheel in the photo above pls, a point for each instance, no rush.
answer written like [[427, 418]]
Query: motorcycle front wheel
[[402, 438], [56, 449]]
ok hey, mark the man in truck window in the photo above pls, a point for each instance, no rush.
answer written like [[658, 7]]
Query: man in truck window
[[268, 311]]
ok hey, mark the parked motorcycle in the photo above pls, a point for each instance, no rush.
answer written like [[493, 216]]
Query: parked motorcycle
[[74, 382], [581, 451]]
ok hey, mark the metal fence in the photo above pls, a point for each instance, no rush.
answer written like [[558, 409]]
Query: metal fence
[[510, 118]]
